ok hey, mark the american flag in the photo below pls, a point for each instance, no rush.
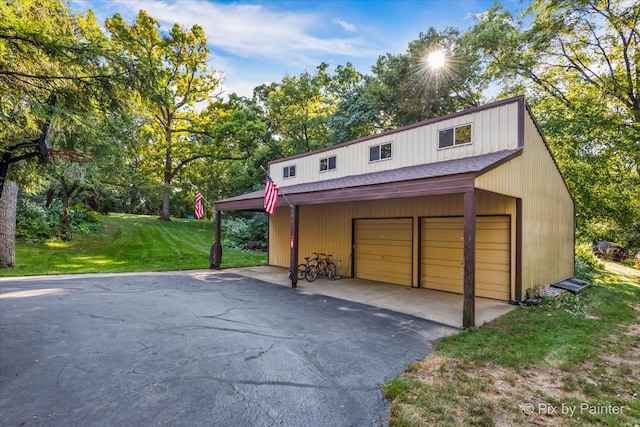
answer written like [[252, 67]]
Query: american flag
[[270, 196], [199, 211]]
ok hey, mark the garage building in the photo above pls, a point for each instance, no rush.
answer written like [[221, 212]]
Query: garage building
[[471, 203]]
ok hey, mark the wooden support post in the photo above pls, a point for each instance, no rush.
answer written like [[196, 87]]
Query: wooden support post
[[518, 243], [293, 260], [216, 255], [469, 304]]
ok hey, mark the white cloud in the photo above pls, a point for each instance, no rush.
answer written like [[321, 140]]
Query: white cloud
[[253, 30], [347, 26]]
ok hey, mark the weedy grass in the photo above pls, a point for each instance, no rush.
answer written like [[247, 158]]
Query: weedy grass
[[129, 243], [572, 360]]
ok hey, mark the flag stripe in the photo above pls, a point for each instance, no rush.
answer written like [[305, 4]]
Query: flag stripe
[[199, 210], [270, 196]]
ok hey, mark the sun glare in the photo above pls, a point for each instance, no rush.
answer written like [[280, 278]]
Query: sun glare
[[436, 59]]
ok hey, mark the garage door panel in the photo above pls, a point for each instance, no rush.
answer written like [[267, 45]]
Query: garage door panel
[[366, 243], [452, 254], [443, 253], [384, 250], [399, 258]]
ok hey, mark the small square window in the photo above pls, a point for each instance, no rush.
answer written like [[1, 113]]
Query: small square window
[[385, 151], [328, 163], [289, 171], [455, 136], [374, 153], [463, 135], [445, 138], [380, 152]]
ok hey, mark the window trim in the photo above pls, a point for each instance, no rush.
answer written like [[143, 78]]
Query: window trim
[[379, 146], [455, 128], [328, 169], [288, 167]]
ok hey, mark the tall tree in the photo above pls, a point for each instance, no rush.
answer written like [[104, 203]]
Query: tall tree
[[298, 109], [409, 87], [45, 48], [579, 61], [171, 79]]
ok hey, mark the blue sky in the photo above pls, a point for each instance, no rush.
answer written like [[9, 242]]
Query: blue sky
[[254, 42]]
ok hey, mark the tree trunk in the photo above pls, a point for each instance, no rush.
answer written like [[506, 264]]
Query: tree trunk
[[66, 216], [8, 205], [164, 214], [168, 175]]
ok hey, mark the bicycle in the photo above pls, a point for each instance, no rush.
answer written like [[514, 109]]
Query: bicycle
[[325, 267], [307, 270]]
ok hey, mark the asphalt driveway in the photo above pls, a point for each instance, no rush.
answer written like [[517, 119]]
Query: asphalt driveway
[[189, 349]]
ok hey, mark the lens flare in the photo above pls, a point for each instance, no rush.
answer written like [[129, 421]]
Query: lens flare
[[436, 59]]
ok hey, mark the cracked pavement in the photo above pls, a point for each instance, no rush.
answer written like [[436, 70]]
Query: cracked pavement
[[185, 349]]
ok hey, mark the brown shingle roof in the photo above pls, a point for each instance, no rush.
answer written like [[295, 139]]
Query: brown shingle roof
[[468, 165]]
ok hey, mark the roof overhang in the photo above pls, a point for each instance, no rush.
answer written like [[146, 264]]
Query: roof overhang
[[447, 177]]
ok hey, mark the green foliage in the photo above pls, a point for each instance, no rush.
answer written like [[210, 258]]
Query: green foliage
[[34, 222], [245, 231], [407, 89], [576, 60], [586, 263], [571, 303]]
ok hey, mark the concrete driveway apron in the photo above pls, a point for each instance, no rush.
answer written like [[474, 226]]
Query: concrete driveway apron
[[182, 349]]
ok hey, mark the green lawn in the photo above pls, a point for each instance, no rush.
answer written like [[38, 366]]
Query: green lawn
[[571, 361], [129, 243]]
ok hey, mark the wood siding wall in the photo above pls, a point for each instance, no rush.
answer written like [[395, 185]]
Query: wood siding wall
[[492, 130], [328, 228], [547, 210]]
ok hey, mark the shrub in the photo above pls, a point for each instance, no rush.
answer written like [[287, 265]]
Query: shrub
[[586, 262], [31, 221], [34, 222], [245, 231]]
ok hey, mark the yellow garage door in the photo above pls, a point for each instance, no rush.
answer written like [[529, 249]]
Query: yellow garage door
[[383, 250], [442, 255]]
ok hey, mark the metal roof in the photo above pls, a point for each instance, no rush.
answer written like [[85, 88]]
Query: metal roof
[[449, 176]]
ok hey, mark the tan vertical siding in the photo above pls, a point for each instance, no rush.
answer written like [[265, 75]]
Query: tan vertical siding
[[492, 130], [547, 210], [328, 228], [279, 234]]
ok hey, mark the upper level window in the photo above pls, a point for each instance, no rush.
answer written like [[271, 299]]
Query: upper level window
[[454, 136], [380, 152], [328, 163], [289, 171]]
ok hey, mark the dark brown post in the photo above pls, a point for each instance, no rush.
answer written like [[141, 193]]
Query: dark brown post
[[216, 258], [518, 296], [293, 260], [469, 304]]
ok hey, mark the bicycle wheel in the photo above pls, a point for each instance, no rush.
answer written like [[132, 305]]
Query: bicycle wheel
[[321, 267], [331, 270], [312, 273], [302, 271]]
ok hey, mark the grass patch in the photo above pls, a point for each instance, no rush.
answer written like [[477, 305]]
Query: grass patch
[[129, 243], [574, 360]]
